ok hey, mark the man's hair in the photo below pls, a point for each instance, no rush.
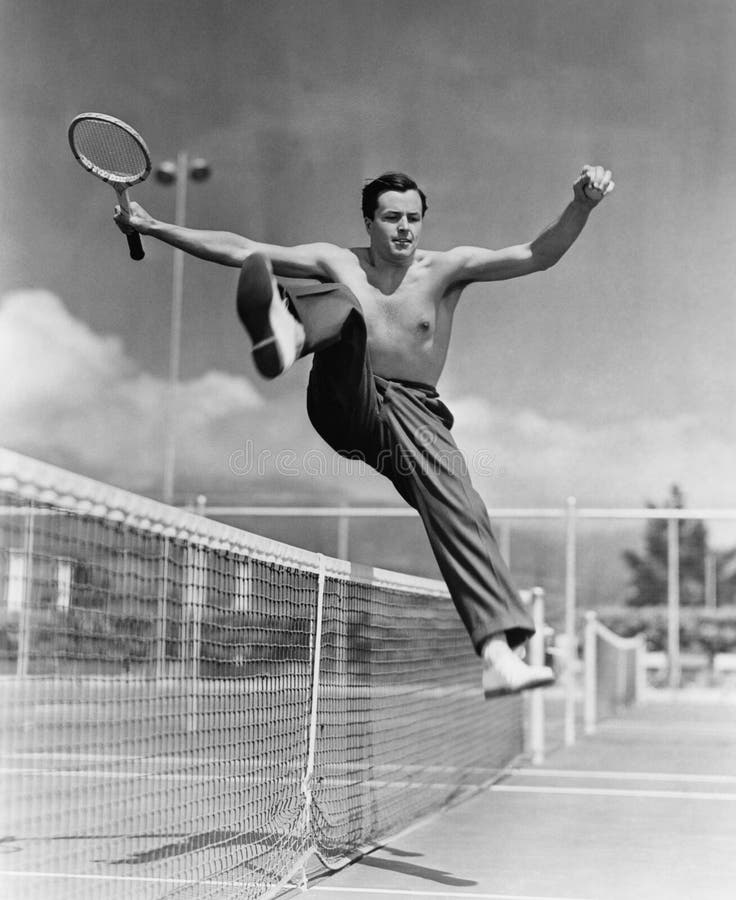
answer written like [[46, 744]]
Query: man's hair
[[389, 181]]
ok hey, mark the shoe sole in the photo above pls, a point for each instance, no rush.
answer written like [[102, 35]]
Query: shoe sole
[[253, 303], [503, 689]]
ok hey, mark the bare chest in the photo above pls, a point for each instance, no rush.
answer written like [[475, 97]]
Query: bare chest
[[408, 322], [413, 308], [414, 313]]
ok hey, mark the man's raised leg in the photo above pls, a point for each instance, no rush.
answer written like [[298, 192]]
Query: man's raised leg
[[285, 326], [278, 337]]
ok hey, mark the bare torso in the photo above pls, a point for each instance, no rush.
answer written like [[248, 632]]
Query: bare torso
[[409, 322]]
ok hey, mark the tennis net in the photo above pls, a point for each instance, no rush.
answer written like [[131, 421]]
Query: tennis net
[[614, 671], [190, 710]]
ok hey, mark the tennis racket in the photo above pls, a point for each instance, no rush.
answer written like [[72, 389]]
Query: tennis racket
[[114, 152]]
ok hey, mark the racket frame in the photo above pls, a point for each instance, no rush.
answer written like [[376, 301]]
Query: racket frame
[[119, 183]]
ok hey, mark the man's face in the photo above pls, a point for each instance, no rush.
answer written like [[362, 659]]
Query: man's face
[[395, 228]]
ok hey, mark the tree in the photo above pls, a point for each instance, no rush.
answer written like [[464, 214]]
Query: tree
[[648, 585]]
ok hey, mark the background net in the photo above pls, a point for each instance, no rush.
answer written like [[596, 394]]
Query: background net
[[163, 732], [614, 670]]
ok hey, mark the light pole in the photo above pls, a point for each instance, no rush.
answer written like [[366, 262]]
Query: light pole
[[177, 173]]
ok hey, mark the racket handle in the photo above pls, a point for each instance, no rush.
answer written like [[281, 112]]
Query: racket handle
[[134, 239], [135, 245]]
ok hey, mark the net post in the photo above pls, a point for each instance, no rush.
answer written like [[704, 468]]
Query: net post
[[589, 677], [536, 699], [673, 603], [570, 608], [641, 668]]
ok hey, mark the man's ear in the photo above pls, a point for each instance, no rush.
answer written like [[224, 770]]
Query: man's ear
[[368, 223]]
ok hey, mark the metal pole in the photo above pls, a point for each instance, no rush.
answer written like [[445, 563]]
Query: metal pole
[[343, 537], [570, 611], [590, 676], [536, 699], [506, 542], [710, 587], [177, 290], [673, 602]]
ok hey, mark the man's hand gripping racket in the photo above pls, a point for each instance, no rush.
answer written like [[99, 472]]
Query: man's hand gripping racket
[[114, 152]]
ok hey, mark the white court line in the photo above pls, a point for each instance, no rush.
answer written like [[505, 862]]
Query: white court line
[[212, 882], [83, 876], [450, 894], [611, 792], [624, 776], [216, 883], [693, 730]]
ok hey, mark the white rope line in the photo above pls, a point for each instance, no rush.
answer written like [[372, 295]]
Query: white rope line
[[309, 769]]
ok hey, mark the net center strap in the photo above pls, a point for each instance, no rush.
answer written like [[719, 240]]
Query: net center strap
[[309, 768]]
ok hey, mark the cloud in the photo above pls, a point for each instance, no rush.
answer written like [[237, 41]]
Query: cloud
[[522, 457], [73, 397], [77, 399]]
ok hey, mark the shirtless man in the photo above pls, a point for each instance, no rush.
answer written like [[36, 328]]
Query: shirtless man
[[378, 324]]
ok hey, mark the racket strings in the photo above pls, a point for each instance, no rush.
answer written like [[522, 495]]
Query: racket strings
[[110, 149]]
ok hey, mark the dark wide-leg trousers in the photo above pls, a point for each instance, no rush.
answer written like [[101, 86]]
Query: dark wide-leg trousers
[[402, 429]]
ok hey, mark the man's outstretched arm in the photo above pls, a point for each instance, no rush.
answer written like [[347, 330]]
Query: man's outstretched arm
[[229, 249], [471, 264]]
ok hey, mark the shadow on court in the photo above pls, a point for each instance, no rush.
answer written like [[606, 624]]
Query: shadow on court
[[414, 870]]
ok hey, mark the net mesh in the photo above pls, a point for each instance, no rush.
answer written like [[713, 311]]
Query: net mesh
[[614, 670], [189, 710], [109, 150]]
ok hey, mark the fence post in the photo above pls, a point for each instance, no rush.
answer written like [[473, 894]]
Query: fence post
[[536, 698], [570, 611], [506, 542], [673, 602], [641, 669], [343, 536], [710, 588], [589, 678]]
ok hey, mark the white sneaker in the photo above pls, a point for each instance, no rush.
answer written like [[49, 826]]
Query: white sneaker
[[277, 336], [509, 674]]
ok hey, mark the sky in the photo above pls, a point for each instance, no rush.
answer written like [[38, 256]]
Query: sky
[[608, 377]]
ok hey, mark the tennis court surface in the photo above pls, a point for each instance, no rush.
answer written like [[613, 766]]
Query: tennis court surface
[[643, 810]]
